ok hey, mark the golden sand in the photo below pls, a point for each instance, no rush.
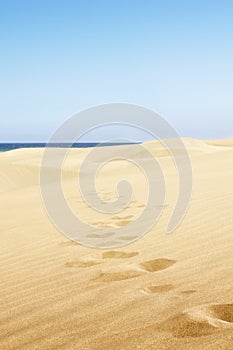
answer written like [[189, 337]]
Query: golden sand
[[161, 292]]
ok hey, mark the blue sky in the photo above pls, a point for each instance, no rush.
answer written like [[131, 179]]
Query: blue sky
[[59, 57]]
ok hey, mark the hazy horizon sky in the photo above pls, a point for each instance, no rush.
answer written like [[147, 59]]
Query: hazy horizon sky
[[60, 57]]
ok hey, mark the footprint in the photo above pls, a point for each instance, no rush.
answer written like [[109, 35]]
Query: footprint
[[101, 224], [128, 238], [117, 276], [182, 326], [218, 315], [200, 321], [104, 235], [157, 264], [122, 218], [122, 223], [118, 255], [82, 263], [223, 312], [159, 289], [188, 291]]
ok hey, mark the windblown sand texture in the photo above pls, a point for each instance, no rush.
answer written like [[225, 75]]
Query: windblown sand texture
[[163, 292]]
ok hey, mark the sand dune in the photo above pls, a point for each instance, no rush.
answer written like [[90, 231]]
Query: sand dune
[[162, 292], [221, 143]]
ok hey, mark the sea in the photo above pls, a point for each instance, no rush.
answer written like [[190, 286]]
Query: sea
[[4, 147]]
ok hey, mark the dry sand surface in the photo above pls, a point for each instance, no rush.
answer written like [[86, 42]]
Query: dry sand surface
[[160, 292]]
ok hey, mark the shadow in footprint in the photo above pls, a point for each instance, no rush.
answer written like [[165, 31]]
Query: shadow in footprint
[[82, 263], [122, 223], [121, 217], [223, 312], [188, 291], [157, 264], [104, 235], [118, 255], [102, 224], [159, 289], [117, 276]]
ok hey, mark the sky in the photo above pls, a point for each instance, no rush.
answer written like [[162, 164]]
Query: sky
[[61, 57]]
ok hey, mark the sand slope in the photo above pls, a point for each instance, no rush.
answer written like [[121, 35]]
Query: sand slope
[[161, 292]]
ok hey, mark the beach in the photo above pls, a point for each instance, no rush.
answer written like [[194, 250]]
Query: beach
[[163, 291]]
